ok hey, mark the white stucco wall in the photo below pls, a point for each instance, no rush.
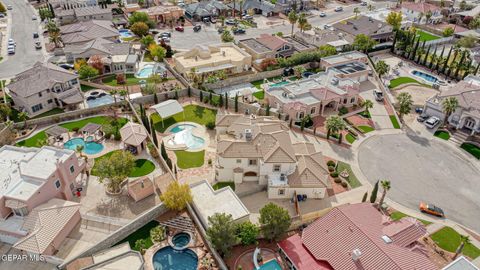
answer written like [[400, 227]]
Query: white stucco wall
[[312, 193]]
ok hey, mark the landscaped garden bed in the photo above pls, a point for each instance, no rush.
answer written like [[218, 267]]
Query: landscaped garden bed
[[142, 166], [449, 239], [395, 123], [352, 179], [365, 129], [472, 149], [442, 134], [403, 80], [193, 113], [142, 233], [350, 138]]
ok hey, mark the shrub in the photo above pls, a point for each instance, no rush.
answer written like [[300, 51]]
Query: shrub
[[75, 129], [334, 174], [117, 136], [337, 180], [331, 163], [344, 184], [210, 125], [209, 161], [331, 168], [268, 64], [342, 111], [120, 78], [157, 234]]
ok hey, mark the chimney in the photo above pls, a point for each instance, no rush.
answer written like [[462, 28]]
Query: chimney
[[356, 254], [248, 134]]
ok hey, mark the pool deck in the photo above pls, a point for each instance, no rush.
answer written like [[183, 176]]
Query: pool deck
[[199, 131]]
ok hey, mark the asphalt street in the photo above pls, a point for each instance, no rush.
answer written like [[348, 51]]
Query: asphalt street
[[21, 31], [424, 170], [208, 35]]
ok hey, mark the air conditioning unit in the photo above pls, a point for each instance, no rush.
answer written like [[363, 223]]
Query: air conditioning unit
[[248, 134], [356, 253]]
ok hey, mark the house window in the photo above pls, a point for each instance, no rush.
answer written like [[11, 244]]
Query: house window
[[239, 161], [344, 101], [57, 184], [252, 162], [312, 111], [50, 101], [276, 168], [301, 115], [72, 169], [37, 107], [281, 191], [352, 100]]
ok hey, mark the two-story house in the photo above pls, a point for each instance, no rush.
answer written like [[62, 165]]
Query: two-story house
[[259, 149], [30, 178], [377, 30], [44, 87], [422, 13]]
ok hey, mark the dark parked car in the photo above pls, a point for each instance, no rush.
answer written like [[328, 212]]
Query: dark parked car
[[166, 34], [197, 28], [179, 29], [239, 31], [66, 66], [422, 117], [35, 35]]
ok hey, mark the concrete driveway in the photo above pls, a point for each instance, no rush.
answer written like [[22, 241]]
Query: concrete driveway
[[425, 170], [379, 114]]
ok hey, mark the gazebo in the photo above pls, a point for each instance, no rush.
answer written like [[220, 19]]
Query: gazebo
[[168, 108], [90, 129], [134, 137], [56, 132]]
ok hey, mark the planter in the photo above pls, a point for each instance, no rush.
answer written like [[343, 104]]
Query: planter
[[114, 194]]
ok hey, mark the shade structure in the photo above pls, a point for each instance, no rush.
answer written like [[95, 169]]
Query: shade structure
[[90, 128], [168, 108], [56, 131], [133, 134]]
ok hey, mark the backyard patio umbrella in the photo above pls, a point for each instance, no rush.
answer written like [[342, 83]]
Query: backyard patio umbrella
[[168, 108]]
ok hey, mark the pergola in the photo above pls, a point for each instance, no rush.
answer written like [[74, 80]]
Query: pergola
[[90, 129], [168, 108], [56, 132]]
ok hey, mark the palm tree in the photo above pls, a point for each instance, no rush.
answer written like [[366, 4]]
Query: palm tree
[[23, 117], [463, 241], [368, 104], [334, 125], [303, 23], [56, 38], [292, 18], [386, 187], [382, 68], [79, 150], [449, 105], [370, 7], [405, 103], [356, 11]]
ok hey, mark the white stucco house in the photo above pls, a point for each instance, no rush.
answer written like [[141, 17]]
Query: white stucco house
[[417, 12], [467, 115], [259, 149]]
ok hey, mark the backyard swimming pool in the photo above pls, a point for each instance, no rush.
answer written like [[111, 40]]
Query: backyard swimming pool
[[145, 72], [125, 33], [89, 147], [270, 265], [99, 100], [183, 135], [181, 240], [169, 259], [425, 76], [279, 84]]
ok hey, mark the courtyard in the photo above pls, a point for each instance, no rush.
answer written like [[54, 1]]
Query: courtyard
[[424, 170]]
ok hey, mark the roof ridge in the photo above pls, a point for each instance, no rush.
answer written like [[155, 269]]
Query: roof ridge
[[370, 238]]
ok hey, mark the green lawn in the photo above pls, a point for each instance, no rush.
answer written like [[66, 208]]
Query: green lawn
[[398, 215], [193, 113], [142, 233], [425, 36], [220, 185], [101, 120], [402, 80], [365, 129], [365, 114], [449, 239], [394, 122], [352, 179], [257, 84], [142, 168], [86, 88], [349, 137], [51, 112], [130, 80], [442, 134], [259, 95], [472, 149], [187, 160]]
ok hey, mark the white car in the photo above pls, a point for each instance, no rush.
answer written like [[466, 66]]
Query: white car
[[323, 14], [11, 42], [9, 7], [11, 49], [34, 18], [338, 9], [432, 122]]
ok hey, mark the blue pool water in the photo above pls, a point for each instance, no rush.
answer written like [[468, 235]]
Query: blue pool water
[[183, 135], [279, 84], [181, 240], [145, 72], [425, 76], [89, 148], [125, 33], [270, 265], [99, 101], [169, 259]]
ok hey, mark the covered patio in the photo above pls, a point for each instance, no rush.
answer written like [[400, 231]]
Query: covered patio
[[56, 133], [168, 108], [134, 137], [91, 130]]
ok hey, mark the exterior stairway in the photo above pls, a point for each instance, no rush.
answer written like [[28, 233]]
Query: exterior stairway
[[459, 137]]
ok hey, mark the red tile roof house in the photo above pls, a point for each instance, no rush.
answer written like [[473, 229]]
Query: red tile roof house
[[357, 236], [416, 12]]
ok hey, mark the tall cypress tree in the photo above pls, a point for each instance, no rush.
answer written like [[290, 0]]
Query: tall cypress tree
[[460, 63], [431, 59], [226, 101], [424, 62], [155, 98], [467, 71], [476, 70], [236, 102], [373, 196], [189, 91], [210, 98], [392, 50], [406, 44], [444, 68], [154, 133], [420, 55], [437, 64], [413, 53], [201, 96], [220, 101]]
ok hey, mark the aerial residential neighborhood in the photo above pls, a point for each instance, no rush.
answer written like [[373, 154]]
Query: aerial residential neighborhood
[[241, 135]]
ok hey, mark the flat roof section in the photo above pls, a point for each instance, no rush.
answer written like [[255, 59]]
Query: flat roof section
[[255, 45], [351, 68]]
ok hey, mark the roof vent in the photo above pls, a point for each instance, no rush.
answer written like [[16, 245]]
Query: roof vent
[[356, 253], [248, 134], [334, 81], [386, 239]]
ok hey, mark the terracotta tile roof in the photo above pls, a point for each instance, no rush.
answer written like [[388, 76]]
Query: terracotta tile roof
[[420, 7], [405, 231], [45, 223], [300, 256], [333, 237], [272, 42]]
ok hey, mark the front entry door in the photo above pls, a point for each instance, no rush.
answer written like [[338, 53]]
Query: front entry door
[[469, 123]]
